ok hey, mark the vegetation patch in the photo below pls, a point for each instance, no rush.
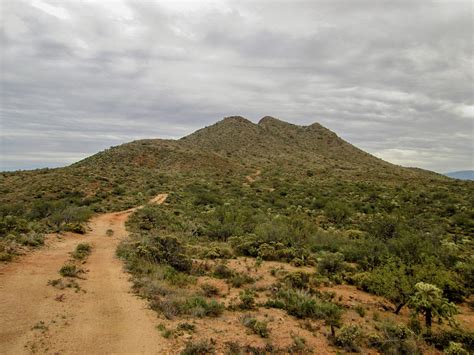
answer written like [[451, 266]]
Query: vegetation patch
[[256, 326], [70, 270], [82, 251]]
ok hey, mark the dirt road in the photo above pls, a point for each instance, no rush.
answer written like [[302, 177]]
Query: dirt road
[[252, 177], [102, 317]]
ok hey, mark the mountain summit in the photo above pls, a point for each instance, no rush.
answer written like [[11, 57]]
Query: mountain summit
[[278, 144]]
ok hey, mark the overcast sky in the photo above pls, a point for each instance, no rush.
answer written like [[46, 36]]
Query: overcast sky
[[392, 77]]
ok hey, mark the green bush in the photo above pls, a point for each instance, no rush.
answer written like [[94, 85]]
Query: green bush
[[455, 349], [337, 212], [163, 250], [247, 299], [297, 279], [348, 337], [222, 271], [331, 263], [238, 280], [82, 251], [443, 338], [200, 307], [69, 270], [209, 290], [198, 348], [301, 304], [196, 306], [74, 228], [258, 327], [394, 339]]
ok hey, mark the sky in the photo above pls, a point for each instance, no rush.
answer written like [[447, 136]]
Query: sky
[[394, 78]]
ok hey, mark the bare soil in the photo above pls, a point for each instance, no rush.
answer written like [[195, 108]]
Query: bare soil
[[102, 317]]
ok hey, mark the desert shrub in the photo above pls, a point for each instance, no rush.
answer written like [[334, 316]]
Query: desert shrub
[[200, 307], [168, 306], [385, 227], [10, 245], [301, 304], [331, 263], [196, 306], [394, 339], [5, 256], [222, 271], [65, 215], [163, 250], [217, 252], [61, 284], [204, 198], [173, 276], [238, 280], [455, 349], [31, 239], [255, 246], [234, 348], [165, 333], [297, 279], [186, 327], [360, 310], [198, 348], [298, 346], [153, 218], [82, 251], [247, 299], [348, 337], [392, 280], [13, 225], [442, 338], [69, 270], [258, 327], [225, 222], [74, 228], [337, 212], [209, 290]]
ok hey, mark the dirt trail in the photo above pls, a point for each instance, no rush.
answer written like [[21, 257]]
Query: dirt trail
[[252, 177], [103, 317]]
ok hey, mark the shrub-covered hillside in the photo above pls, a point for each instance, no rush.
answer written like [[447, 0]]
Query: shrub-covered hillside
[[272, 220]]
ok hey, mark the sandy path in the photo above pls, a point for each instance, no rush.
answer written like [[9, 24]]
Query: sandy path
[[104, 317], [252, 177]]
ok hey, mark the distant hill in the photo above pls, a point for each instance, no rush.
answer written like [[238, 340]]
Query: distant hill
[[461, 175], [234, 147]]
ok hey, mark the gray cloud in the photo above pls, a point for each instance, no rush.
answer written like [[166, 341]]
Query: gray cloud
[[393, 77]]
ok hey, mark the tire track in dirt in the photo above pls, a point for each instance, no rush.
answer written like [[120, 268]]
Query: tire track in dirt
[[103, 317]]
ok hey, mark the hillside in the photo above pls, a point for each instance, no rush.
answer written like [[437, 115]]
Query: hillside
[[275, 143], [271, 237], [232, 146]]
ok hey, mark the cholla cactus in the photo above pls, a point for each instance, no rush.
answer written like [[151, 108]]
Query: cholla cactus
[[429, 301]]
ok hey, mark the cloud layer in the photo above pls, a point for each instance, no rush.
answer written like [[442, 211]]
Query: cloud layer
[[392, 77]]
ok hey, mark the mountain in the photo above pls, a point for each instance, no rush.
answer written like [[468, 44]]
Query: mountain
[[290, 217], [461, 175], [281, 145], [236, 142], [127, 174]]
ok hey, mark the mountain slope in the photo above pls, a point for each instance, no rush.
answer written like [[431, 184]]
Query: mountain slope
[[126, 175], [275, 143]]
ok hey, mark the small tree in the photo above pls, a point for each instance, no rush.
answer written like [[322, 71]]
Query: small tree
[[428, 300], [392, 281]]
